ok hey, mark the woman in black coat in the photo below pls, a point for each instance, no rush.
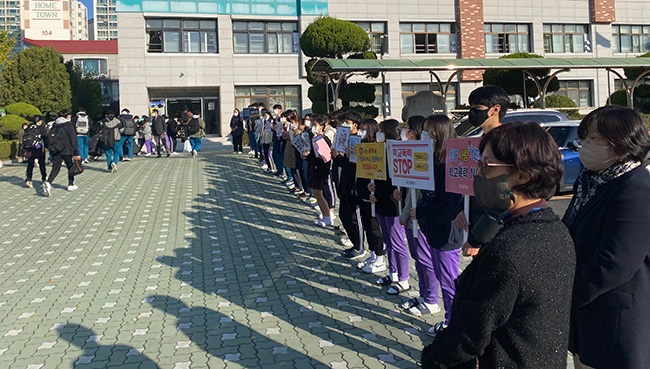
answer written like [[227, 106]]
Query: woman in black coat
[[237, 131], [511, 308], [608, 220]]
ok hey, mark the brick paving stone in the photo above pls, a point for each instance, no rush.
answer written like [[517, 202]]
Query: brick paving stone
[[186, 263]]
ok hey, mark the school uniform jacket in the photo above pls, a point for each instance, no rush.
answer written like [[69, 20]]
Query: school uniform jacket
[[610, 315]]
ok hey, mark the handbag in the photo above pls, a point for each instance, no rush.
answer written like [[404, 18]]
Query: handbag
[[77, 168], [187, 147]]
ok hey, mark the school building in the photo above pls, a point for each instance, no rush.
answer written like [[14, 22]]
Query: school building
[[215, 55]]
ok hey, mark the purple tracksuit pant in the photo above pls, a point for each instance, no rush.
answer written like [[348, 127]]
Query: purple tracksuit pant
[[421, 253], [445, 265], [393, 234]]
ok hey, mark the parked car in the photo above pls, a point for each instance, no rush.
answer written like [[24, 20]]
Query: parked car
[[524, 115], [565, 135]]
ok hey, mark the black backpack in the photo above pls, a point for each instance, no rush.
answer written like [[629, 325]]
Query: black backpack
[[57, 140], [32, 139], [129, 127], [108, 136], [193, 126]]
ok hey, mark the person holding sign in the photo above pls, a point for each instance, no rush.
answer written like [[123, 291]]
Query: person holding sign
[[299, 147], [512, 302], [375, 262], [387, 208], [348, 203], [318, 174], [435, 212], [489, 105]]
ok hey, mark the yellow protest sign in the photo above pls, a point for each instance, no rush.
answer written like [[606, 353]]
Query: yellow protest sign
[[371, 160]]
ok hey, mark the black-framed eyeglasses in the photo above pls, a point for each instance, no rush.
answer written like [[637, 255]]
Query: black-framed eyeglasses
[[483, 166]]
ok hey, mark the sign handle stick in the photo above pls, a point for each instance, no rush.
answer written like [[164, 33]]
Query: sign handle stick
[[372, 206], [399, 203], [466, 211], [414, 204]]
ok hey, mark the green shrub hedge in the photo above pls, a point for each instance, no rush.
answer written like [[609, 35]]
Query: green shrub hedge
[[8, 149], [10, 125], [22, 109]]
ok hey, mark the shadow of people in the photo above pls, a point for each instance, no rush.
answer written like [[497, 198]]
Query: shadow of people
[[103, 356], [222, 336]]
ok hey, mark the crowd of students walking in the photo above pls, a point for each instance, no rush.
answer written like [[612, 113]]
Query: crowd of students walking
[[537, 286], [75, 140]]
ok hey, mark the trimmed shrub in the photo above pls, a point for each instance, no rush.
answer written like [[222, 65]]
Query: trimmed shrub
[[358, 92], [561, 101], [22, 109], [10, 125], [641, 98], [366, 112], [8, 149], [632, 73], [329, 37]]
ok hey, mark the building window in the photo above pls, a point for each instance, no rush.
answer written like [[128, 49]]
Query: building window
[[376, 32], [287, 96], [578, 91], [92, 67], [507, 38], [630, 39], [265, 37], [182, 36], [409, 89], [566, 38], [427, 38]]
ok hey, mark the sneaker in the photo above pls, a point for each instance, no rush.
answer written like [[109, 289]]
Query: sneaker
[[265, 167], [194, 153], [436, 328], [113, 167], [28, 184], [299, 192], [85, 161], [147, 154], [251, 152], [73, 187], [47, 189], [311, 200], [128, 159], [346, 242], [377, 266], [354, 254], [239, 152], [291, 186], [422, 309], [324, 222], [369, 260]]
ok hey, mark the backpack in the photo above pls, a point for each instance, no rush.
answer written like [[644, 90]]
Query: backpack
[[129, 127], [82, 124], [108, 136], [32, 139], [57, 140], [193, 126]]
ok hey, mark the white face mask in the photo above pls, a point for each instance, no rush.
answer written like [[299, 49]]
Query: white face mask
[[283, 120], [307, 123], [294, 126], [314, 130], [402, 135], [381, 137], [361, 133], [425, 135], [235, 114], [596, 158]]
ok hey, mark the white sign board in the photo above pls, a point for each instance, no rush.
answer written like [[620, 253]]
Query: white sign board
[[410, 164], [47, 20]]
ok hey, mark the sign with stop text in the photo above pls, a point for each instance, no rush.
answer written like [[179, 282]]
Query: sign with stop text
[[463, 155], [371, 161], [410, 164]]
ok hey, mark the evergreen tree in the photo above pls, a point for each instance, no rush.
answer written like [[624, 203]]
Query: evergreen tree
[[7, 43], [36, 76], [86, 91]]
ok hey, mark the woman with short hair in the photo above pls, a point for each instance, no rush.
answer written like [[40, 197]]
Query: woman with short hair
[[511, 307], [608, 220]]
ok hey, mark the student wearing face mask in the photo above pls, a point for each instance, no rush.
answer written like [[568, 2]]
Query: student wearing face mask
[[511, 308], [388, 211], [236, 131], [278, 141], [608, 220], [300, 181], [489, 105], [435, 212], [266, 138], [346, 190], [318, 177], [376, 262]]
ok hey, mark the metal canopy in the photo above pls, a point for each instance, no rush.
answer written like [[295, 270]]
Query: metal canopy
[[410, 65]]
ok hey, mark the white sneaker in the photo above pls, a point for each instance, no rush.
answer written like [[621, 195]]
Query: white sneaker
[[325, 222], [346, 242], [369, 260], [194, 153], [264, 166], [113, 167], [73, 187], [47, 189], [377, 266], [147, 154]]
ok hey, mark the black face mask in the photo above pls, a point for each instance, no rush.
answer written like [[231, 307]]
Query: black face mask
[[477, 117], [493, 194]]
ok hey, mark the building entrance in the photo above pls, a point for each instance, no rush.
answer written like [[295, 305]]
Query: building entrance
[[205, 100]]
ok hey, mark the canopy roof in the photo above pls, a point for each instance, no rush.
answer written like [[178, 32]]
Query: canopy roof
[[408, 65]]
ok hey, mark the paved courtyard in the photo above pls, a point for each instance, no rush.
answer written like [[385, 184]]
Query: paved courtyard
[[185, 263]]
